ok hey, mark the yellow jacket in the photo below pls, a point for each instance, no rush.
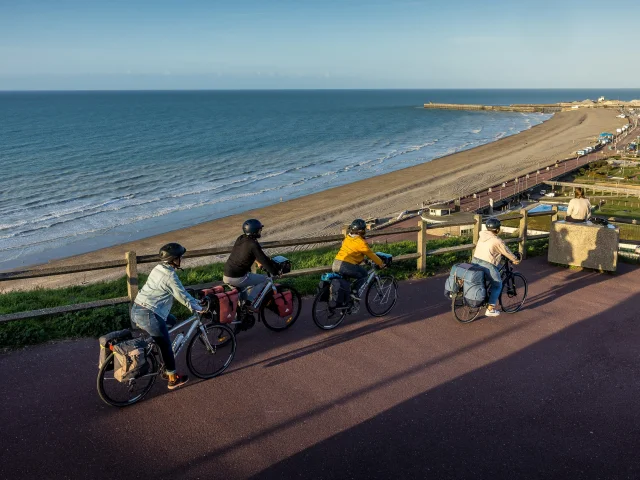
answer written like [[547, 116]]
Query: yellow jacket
[[354, 249]]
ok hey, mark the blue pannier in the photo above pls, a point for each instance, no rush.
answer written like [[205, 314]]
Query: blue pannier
[[471, 279]]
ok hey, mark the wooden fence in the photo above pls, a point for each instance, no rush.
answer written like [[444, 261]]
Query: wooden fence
[[131, 260]]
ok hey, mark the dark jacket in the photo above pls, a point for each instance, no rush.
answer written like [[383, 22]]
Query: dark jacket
[[246, 251]]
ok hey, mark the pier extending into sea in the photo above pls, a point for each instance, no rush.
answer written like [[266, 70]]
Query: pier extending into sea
[[497, 108], [532, 108]]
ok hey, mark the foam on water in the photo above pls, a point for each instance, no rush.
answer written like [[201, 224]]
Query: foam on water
[[126, 166]]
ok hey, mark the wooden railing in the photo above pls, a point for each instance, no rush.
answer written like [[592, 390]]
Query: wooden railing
[[131, 261]]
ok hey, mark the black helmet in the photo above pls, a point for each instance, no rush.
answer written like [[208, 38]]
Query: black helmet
[[358, 227], [252, 228], [493, 224], [171, 251]]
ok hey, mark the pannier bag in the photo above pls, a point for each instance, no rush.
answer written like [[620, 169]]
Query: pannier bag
[[223, 304], [339, 292], [130, 359], [472, 279], [339, 289], [284, 302], [107, 341], [283, 263], [385, 257]]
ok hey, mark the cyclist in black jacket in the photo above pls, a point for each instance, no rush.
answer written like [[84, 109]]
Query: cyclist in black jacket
[[246, 250]]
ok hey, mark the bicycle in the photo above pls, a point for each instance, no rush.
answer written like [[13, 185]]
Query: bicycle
[[210, 351], [377, 290], [513, 283], [267, 309]]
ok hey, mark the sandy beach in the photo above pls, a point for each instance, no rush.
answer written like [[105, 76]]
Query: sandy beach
[[321, 213]]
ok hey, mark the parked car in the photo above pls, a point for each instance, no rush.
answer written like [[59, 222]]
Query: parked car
[[542, 192]]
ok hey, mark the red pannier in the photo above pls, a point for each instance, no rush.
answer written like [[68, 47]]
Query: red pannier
[[223, 303], [284, 302]]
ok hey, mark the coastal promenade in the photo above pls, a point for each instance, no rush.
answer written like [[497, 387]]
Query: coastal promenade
[[505, 190], [550, 392]]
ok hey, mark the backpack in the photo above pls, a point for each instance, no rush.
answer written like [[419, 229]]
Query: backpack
[[223, 304], [471, 279], [130, 359], [108, 341]]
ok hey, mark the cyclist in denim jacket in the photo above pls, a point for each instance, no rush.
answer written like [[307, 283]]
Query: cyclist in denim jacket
[[152, 305], [487, 256]]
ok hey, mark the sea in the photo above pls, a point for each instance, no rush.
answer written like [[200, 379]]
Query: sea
[[86, 170]]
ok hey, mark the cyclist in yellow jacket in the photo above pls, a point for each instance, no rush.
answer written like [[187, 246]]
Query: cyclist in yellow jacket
[[351, 255]]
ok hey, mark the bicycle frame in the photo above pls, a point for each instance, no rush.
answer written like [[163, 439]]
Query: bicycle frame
[[196, 324], [270, 285]]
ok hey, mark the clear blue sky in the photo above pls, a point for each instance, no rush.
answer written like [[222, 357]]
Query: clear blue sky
[[140, 44]]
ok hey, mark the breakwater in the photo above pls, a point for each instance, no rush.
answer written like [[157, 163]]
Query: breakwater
[[496, 108]]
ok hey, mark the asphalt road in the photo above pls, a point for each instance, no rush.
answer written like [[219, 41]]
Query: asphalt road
[[550, 392]]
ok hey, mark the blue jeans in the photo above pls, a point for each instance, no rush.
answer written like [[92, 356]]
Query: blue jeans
[[151, 323], [349, 270], [492, 275]]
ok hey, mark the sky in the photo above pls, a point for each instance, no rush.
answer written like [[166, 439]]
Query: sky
[[281, 44]]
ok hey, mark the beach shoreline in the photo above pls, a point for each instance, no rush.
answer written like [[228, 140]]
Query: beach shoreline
[[323, 213]]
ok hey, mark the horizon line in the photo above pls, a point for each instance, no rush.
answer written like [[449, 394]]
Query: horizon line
[[88, 90]]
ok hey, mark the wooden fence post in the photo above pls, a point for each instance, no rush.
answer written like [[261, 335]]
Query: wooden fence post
[[422, 246], [554, 217], [522, 245], [132, 275], [477, 226]]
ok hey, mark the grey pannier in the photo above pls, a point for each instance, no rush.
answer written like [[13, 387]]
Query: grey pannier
[[470, 278], [130, 359], [109, 340], [339, 292]]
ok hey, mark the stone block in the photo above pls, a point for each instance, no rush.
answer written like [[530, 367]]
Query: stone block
[[584, 245]]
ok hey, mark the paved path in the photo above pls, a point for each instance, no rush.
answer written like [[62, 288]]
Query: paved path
[[511, 188], [551, 392]]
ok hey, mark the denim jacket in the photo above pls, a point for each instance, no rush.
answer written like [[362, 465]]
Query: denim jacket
[[162, 286]]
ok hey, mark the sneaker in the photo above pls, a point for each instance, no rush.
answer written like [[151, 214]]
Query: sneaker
[[178, 382], [492, 313]]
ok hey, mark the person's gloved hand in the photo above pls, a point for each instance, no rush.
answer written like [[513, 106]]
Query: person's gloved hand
[[204, 305]]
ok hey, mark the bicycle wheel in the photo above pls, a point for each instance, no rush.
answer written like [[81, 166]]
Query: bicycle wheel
[[123, 394], [211, 350], [269, 310], [323, 317], [514, 293], [382, 295], [461, 311]]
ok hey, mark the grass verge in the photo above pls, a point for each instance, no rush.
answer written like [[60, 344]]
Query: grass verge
[[98, 321]]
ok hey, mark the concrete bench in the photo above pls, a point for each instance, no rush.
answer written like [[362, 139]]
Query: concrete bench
[[584, 245]]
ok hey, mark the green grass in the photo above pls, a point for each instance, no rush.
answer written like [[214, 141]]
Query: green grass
[[96, 322], [534, 223], [621, 211]]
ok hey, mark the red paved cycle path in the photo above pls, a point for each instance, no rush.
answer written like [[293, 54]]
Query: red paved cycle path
[[549, 392]]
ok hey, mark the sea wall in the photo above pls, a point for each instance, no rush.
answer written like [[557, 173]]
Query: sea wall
[[496, 108]]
